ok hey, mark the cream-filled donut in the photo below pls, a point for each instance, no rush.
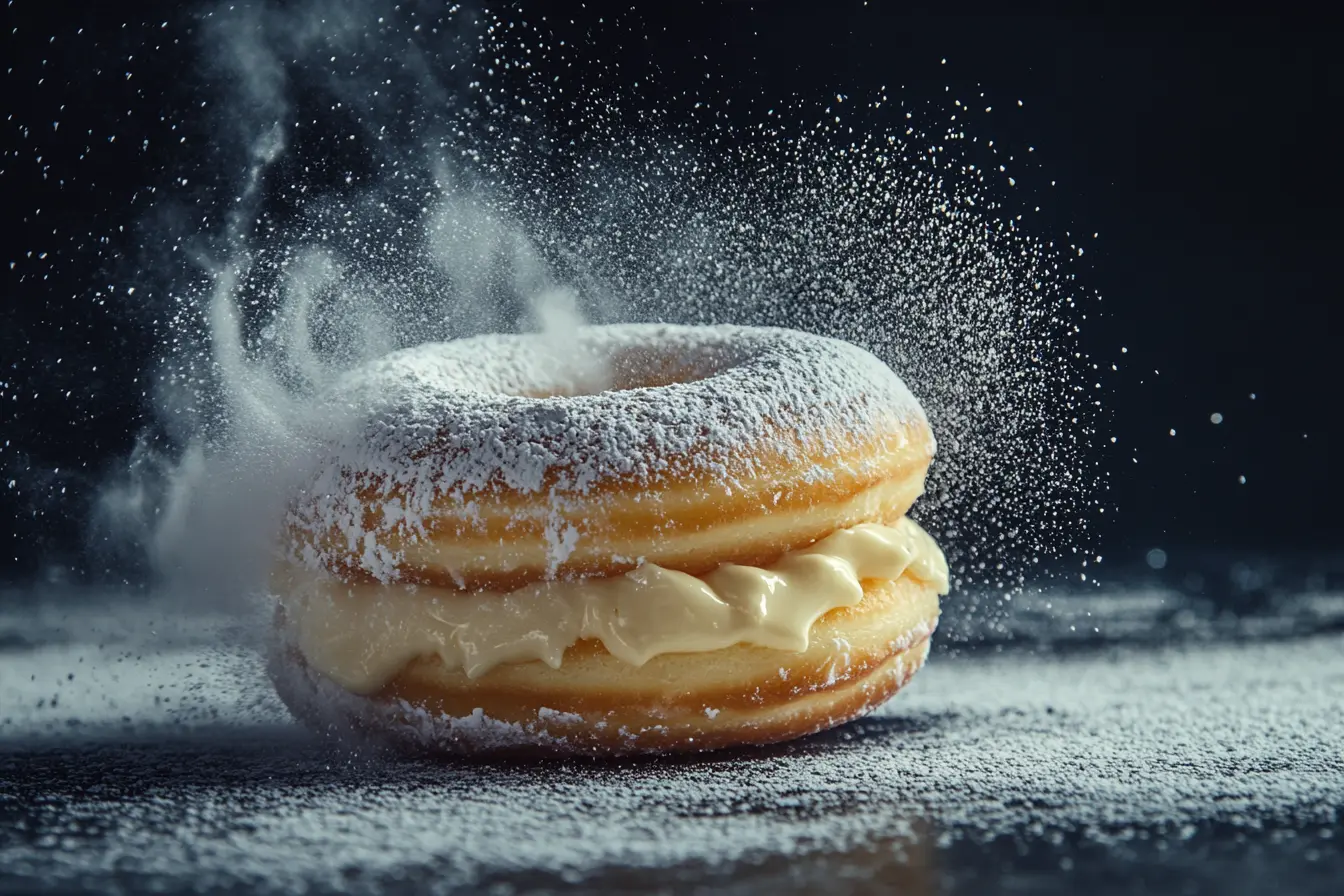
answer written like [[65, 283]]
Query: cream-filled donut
[[646, 538]]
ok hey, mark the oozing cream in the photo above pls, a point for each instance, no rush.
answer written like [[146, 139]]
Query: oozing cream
[[361, 636]]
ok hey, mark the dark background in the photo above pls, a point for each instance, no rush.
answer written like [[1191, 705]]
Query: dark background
[[1201, 149]]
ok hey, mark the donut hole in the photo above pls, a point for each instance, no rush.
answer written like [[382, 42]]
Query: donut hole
[[646, 368], [627, 369]]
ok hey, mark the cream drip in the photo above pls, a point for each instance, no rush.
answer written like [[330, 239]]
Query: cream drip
[[361, 636]]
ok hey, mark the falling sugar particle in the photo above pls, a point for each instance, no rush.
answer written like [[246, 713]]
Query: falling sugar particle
[[1215, 418], [858, 234]]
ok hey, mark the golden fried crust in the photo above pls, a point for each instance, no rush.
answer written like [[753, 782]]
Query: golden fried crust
[[594, 703], [501, 540]]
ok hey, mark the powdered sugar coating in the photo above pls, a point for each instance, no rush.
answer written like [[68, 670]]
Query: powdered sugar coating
[[523, 414]]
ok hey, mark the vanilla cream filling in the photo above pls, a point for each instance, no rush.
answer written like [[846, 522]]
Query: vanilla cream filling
[[361, 636]]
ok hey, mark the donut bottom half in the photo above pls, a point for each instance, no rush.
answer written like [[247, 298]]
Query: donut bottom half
[[596, 704]]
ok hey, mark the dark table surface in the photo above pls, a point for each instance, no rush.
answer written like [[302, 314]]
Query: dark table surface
[[1124, 743]]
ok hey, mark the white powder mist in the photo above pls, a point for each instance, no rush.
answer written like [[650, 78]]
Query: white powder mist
[[387, 176]]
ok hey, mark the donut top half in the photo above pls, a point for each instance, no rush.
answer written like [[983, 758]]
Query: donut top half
[[497, 461]]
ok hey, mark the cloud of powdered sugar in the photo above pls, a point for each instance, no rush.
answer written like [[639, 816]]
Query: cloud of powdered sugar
[[381, 176]]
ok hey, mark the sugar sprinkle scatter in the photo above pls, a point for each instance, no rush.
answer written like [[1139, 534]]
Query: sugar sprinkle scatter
[[375, 176]]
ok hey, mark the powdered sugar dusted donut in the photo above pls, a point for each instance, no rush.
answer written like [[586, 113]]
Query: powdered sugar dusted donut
[[626, 541]]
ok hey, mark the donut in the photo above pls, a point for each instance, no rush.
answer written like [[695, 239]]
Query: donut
[[634, 538]]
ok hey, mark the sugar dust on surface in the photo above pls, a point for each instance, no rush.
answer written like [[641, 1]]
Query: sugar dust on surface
[[137, 741]]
